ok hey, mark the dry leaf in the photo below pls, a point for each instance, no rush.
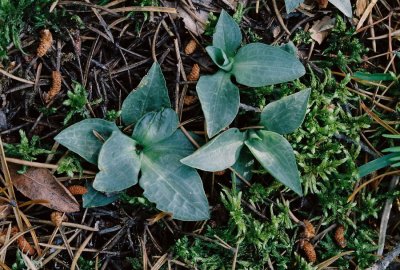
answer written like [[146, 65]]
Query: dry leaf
[[320, 30], [189, 100], [40, 184], [361, 5], [195, 20], [5, 210]]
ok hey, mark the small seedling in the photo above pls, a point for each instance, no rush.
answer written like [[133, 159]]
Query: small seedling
[[253, 65], [150, 156], [269, 147]]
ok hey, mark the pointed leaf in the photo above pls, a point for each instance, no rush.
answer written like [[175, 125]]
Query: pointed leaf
[[376, 164], [258, 64], [219, 99], [119, 164], [292, 4], [285, 115], [150, 95], [276, 155], [155, 126], [94, 198], [80, 137], [344, 6], [227, 34], [173, 186], [218, 154]]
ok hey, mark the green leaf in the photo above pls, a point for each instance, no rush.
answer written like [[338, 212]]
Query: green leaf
[[119, 164], [94, 198], [258, 64], [218, 154], [285, 115], [376, 164], [227, 34], [374, 76], [150, 95], [155, 126], [344, 6], [219, 58], [292, 4], [219, 99], [244, 164], [173, 186], [80, 137], [276, 155]]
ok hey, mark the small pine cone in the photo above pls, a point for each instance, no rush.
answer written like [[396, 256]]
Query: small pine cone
[[189, 100], [24, 246], [77, 190], [308, 250], [309, 231], [191, 47], [58, 218], [46, 39], [55, 86], [220, 173], [194, 73], [339, 236]]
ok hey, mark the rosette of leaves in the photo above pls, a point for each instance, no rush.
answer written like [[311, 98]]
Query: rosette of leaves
[[268, 146], [150, 156], [253, 65]]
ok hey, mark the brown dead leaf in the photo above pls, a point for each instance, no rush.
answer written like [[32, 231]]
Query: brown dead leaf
[[361, 5], [195, 20], [40, 184], [5, 210], [320, 30]]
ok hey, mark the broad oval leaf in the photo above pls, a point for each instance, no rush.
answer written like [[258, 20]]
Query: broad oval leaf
[[80, 137], [219, 58], [173, 186], [258, 64], [218, 154], [276, 155], [344, 6], [155, 126], [219, 99], [94, 198], [150, 95], [292, 4], [119, 164], [286, 114], [39, 184], [227, 34]]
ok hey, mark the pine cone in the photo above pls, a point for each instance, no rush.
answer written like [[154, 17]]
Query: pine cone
[[190, 47], [339, 236], [77, 190], [46, 40]]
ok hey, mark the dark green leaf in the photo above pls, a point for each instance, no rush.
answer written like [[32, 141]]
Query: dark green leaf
[[119, 164], [276, 155], [244, 164], [155, 126], [94, 198], [218, 154], [219, 99], [80, 137], [173, 186], [227, 34], [150, 95], [285, 115], [258, 64]]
